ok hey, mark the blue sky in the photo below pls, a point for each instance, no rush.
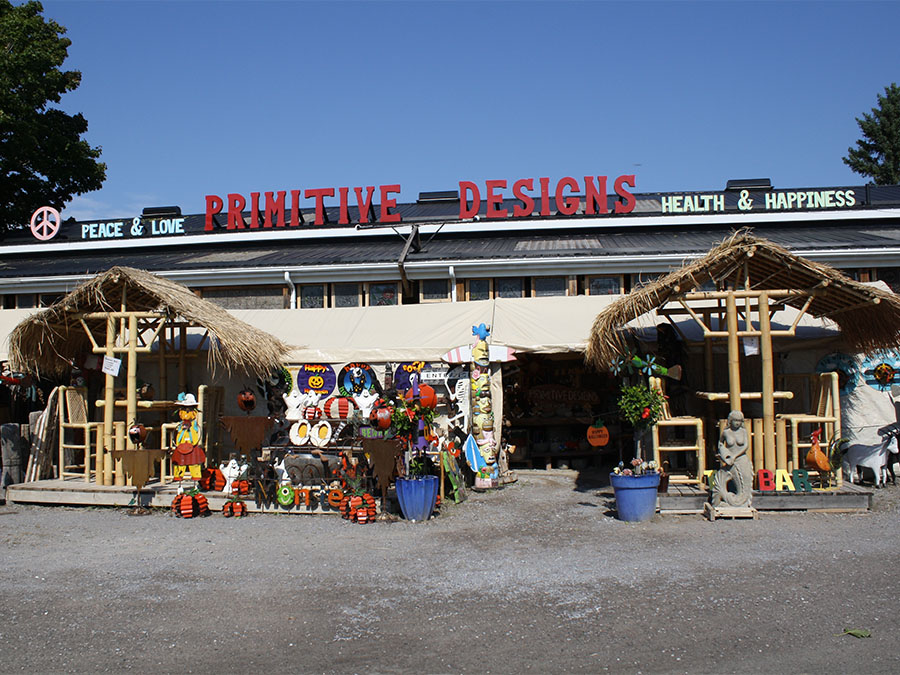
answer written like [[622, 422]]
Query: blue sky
[[196, 98]]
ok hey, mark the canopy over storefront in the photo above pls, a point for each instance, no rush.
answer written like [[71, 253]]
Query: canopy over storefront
[[428, 331]]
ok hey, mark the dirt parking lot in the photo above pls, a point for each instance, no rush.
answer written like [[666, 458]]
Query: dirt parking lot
[[536, 577]]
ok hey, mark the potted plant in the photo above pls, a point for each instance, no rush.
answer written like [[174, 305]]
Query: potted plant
[[417, 491], [635, 489], [636, 486]]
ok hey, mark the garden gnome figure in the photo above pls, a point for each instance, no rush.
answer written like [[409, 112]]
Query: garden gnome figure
[[188, 456], [734, 481]]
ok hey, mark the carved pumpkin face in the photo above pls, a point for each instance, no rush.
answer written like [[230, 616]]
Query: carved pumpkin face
[[246, 400]]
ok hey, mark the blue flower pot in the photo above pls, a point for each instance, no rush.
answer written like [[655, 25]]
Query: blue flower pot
[[417, 496], [635, 496]]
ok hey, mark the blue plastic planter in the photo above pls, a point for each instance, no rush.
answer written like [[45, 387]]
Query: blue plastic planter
[[635, 495], [417, 496]]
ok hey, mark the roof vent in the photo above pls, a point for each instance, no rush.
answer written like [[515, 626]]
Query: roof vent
[[749, 184], [439, 196], [161, 212]]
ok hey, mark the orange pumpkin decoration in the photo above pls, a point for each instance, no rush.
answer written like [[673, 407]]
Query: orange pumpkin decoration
[[235, 508], [246, 400], [598, 436], [137, 432], [212, 479], [381, 418], [190, 506], [427, 396]]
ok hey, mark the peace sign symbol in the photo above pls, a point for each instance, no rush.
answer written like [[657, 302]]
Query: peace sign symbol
[[45, 223]]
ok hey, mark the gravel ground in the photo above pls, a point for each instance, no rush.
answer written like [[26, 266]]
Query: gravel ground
[[538, 577]]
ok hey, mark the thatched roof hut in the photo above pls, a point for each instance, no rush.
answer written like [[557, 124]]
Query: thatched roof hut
[[868, 317], [46, 342]]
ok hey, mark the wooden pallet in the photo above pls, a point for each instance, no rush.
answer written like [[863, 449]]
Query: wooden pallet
[[711, 512]]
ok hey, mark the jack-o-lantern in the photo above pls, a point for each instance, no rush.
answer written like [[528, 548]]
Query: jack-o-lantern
[[246, 400], [137, 432], [427, 396], [380, 418]]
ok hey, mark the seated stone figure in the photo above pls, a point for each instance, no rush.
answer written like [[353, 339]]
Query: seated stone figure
[[734, 481]]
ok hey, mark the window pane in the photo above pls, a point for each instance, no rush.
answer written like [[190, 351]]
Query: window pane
[[434, 289], [509, 287], [544, 286], [247, 297], [382, 294], [479, 289], [312, 296], [346, 295], [605, 286]]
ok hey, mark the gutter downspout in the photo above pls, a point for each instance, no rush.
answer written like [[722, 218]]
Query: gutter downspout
[[290, 283], [452, 271]]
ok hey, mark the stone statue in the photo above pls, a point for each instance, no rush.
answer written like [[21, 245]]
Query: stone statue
[[734, 481]]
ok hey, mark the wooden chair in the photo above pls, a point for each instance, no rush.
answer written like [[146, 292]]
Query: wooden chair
[[825, 411], [663, 445], [75, 431]]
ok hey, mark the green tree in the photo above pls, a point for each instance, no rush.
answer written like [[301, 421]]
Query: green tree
[[43, 159], [877, 153]]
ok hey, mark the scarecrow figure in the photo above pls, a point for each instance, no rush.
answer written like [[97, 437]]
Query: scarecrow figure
[[188, 454]]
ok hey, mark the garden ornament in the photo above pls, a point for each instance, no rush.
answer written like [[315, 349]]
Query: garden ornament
[[734, 481]]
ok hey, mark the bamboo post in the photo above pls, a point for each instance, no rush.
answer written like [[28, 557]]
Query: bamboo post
[[768, 370], [120, 445], [734, 353], [778, 460], [104, 456], [131, 390], [759, 446], [182, 370]]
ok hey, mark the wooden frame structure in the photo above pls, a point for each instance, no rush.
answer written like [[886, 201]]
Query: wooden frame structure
[[119, 315], [755, 278]]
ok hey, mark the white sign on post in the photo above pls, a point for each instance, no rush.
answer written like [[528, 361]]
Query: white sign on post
[[111, 365]]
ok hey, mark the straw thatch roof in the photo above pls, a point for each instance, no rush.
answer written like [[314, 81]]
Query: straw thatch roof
[[868, 317], [47, 341]]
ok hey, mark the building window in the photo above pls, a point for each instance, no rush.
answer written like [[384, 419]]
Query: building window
[[382, 294], [25, 300], [548, 286], [312, 296], [510, 287], [345, 295], [434, 290], [47, 299], [604, 285], [478, 289], [890, 276], [247, 297]]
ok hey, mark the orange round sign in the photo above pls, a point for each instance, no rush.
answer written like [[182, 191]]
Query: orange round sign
[[598, 436]]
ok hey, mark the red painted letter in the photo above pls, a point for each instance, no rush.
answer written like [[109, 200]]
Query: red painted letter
[[274, 207], [364, 205], [766, 480], [295, 208], [545, 196], [465, 187], [254, 210], [214, 205], [320, 194], [344, 218], [568, 205], [628, 206], [236, 204], [595, 198], [389, 203], [493, 199], [527, 207]]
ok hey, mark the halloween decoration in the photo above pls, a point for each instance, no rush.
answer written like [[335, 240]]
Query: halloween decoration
[[381, 417], [234, 508], [598, 434], [427, 396], [299, 433], [190, 505], [339, 407], [188, 455], [316, 377], [320, 434], [246, 400], [212, 478], [248, 433], [137, 432]]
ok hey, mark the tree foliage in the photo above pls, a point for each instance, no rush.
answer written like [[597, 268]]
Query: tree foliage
[[877, 153], [43, 159]]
